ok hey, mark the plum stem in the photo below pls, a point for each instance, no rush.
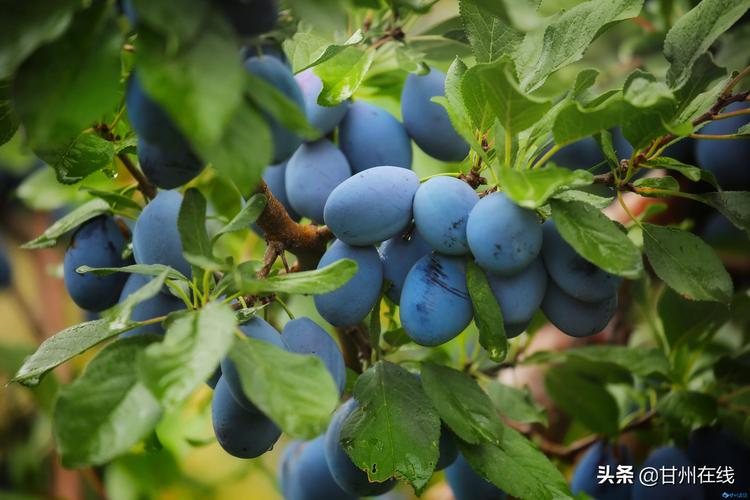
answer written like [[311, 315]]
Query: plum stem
[[144, 185]]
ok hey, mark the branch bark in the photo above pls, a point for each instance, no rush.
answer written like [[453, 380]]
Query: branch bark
[[144, 185]]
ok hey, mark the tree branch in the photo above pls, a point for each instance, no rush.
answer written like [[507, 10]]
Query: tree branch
[[144, 185]]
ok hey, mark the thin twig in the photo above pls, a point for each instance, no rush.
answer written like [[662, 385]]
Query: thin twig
[[144, 185]]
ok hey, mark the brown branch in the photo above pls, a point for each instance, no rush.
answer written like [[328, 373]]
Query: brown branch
[[355, 346], [144, 185], [306, 241]]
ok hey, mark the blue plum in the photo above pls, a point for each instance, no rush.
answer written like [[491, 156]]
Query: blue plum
[[370, 136], [575, 275], [242, 433], [513, 330], [726, 159], [99, 242], [667, 456], [6, 270], [435, 305], [275, 175], [503, 237], [356, 212], [276, 73], [349, 304], [264, 47], [286, 467], [168, 168], [312, 173], [399, 255], [468, 485], [160, 304], [304, 336], [582, 154], [250, 17], [520, 295], [306, 475], [348, 476], [258, 329], [682, 150], [150, 121], [441, 211], [214, 378], [324, 118], [428, 122], [716, 447], [585, 474], [575, 317], [448, 447], [156, 239]]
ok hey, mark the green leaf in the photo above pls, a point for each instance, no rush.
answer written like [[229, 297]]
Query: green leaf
[[734, 205], [191, 223], [115, 200], [307, 49], [595, 201], [584, 399], [70, 221], [185, 17], [576, 120], [689, 321], [686, 264], [8, 117], [343, 74], [394, 431], [695, 32], [690, 172], [646, 185], [245, 217], [700, 90], [247, 131], [596, 238], [516, 404], [197, 80], [462, 404], [120, 314], [641, 361], [299, 398], [520, 14], [85, 63], [106, 411], [273, 102], [145, 269], [567, 37], [492, 90], [694, 409], [323, 280], [77, 158], [63, 346], [192, 348], [490, 36], [532, 188], [24, 26], [517, 467], [487, 314]]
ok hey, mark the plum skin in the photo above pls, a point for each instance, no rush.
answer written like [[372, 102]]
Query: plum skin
[[582, 154], [726, 159], [435, 305], [251, 17], [168, 169], [149, 120], [575, 317], [258, 329], [349, 304], [575, 275], [241, 433], [312, 173], [667, 456], [370, 136], [99, 242], [324, 118], [427, 122], [441, 211], [399, 255], [160, 304], [6, 270], [348, 476], [585, 474], [304, 336], [468, 485], [305, 474], [520, 295], [356, 214], [503, 237], [156, 239], [276, 73]]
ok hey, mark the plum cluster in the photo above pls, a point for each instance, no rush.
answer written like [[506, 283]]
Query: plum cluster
[[240, 427], [528, 265]]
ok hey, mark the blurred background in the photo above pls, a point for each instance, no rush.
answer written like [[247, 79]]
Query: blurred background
[[183, 459]]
